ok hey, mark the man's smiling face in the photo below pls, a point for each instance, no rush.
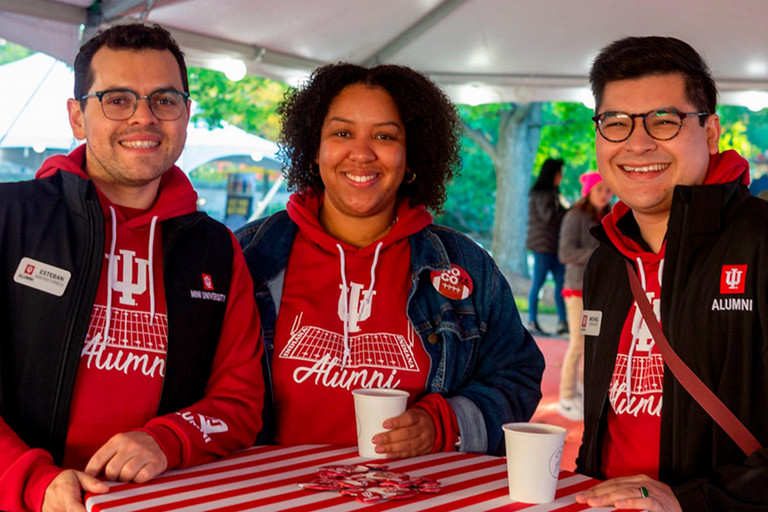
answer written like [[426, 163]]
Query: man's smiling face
[[641, 170], [137, 151]]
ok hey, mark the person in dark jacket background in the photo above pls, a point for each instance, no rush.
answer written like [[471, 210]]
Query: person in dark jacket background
[[545, 214]]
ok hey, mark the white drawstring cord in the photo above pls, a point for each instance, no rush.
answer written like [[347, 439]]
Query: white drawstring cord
[[346, 306], [641, 271], [637, 322], [110, 277], [150, 259], [661, 269], [345, 292], [367, 296]]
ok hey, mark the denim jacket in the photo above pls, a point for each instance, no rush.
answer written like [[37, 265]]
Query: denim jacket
[[483, 361]]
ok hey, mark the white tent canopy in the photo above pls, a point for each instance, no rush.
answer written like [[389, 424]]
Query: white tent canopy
[[33, 106], [33, 113], [479, 50], [204, 145]]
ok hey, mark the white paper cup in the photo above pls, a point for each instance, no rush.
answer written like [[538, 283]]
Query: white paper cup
[[534, 451], [372, 407]]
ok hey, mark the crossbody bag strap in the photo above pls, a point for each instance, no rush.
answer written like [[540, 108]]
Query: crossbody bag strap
[[697, 389]]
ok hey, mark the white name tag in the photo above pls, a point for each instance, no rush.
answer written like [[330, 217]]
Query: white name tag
[[42, 276], [590, 322]]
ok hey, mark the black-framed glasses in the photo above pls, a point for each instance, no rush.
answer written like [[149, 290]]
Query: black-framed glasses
[[659, 124], [121, 104]]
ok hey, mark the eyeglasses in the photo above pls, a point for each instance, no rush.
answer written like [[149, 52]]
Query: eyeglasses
[[121, 104], [659, 124]]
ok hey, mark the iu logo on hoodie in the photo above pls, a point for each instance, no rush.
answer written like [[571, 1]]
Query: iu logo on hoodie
[[351, 302], [125, 282]]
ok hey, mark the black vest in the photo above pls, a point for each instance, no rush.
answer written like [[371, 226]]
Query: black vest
[[59, 221]]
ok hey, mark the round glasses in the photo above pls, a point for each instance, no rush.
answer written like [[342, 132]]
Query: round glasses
[[659, 124], [121, 104]]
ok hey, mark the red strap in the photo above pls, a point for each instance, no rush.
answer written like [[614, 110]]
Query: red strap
[[698, 390]]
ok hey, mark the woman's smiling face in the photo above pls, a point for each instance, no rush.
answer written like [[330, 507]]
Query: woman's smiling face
[[362, 154]]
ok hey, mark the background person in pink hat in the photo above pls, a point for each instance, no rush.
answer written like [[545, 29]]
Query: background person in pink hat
[[575, 248]]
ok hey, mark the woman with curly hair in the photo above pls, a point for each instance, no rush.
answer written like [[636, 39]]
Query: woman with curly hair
[[358, 289]]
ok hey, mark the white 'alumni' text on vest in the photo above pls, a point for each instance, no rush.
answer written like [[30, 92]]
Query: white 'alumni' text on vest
[[732, 305]]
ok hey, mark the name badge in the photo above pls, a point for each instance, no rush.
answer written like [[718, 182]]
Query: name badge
[[591, 322], [42, 276]]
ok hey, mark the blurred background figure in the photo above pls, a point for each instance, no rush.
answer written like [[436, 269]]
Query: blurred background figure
[[575, 248], [545, 214]]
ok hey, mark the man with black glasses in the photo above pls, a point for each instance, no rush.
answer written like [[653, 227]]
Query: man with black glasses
[[128, 332], [696, 241]]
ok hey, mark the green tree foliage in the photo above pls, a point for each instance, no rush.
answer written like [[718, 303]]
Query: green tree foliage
[[10, 52], [249, 104], [568, 133], [471, 196], [470, 202], [735, 123]]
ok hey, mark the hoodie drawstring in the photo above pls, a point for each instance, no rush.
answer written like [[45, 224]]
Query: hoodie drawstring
[[111, 277], [345, 292], [637, 322], [345, 314], [150, 259]]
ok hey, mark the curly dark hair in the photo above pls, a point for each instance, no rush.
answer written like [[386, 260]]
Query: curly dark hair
[[432, 127]]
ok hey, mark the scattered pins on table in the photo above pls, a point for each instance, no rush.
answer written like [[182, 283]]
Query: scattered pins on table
[[370, 483]]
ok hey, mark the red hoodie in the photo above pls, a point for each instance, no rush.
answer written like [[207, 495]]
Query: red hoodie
[[632, 440], [120, 376], [319, 358]]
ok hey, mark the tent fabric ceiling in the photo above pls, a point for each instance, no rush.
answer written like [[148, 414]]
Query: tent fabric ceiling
[[507, 50]]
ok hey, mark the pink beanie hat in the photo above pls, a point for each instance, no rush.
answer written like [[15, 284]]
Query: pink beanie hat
[[589, 180]]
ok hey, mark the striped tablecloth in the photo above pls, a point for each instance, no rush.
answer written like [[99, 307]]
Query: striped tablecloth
[[265, 478]]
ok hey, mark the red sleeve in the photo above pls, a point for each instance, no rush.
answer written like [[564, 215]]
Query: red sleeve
[[446, 425], [229, 417], [26, 473]]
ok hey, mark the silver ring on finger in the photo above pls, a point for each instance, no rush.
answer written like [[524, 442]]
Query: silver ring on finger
[[644, 492]]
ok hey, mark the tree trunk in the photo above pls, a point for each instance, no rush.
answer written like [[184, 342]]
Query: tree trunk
[[519, 133]]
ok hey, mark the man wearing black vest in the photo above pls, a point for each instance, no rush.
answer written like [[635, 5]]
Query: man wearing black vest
[[694, 243], [128, 329]]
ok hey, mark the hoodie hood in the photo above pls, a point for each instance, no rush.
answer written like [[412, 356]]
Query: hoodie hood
[[304, 210], [727, 166], [724, 167], [175, 195]]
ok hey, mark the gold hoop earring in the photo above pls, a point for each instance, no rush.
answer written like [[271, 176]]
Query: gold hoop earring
[[411, 179], [312, 170]]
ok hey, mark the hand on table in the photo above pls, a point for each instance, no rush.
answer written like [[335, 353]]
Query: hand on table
[[626, 492], [413, 433], [65, 492], [128, 456]]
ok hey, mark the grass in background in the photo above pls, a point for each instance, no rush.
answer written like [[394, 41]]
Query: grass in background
[[546, 309]]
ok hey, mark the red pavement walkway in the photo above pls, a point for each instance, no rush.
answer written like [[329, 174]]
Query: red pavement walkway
[[554, 350]]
